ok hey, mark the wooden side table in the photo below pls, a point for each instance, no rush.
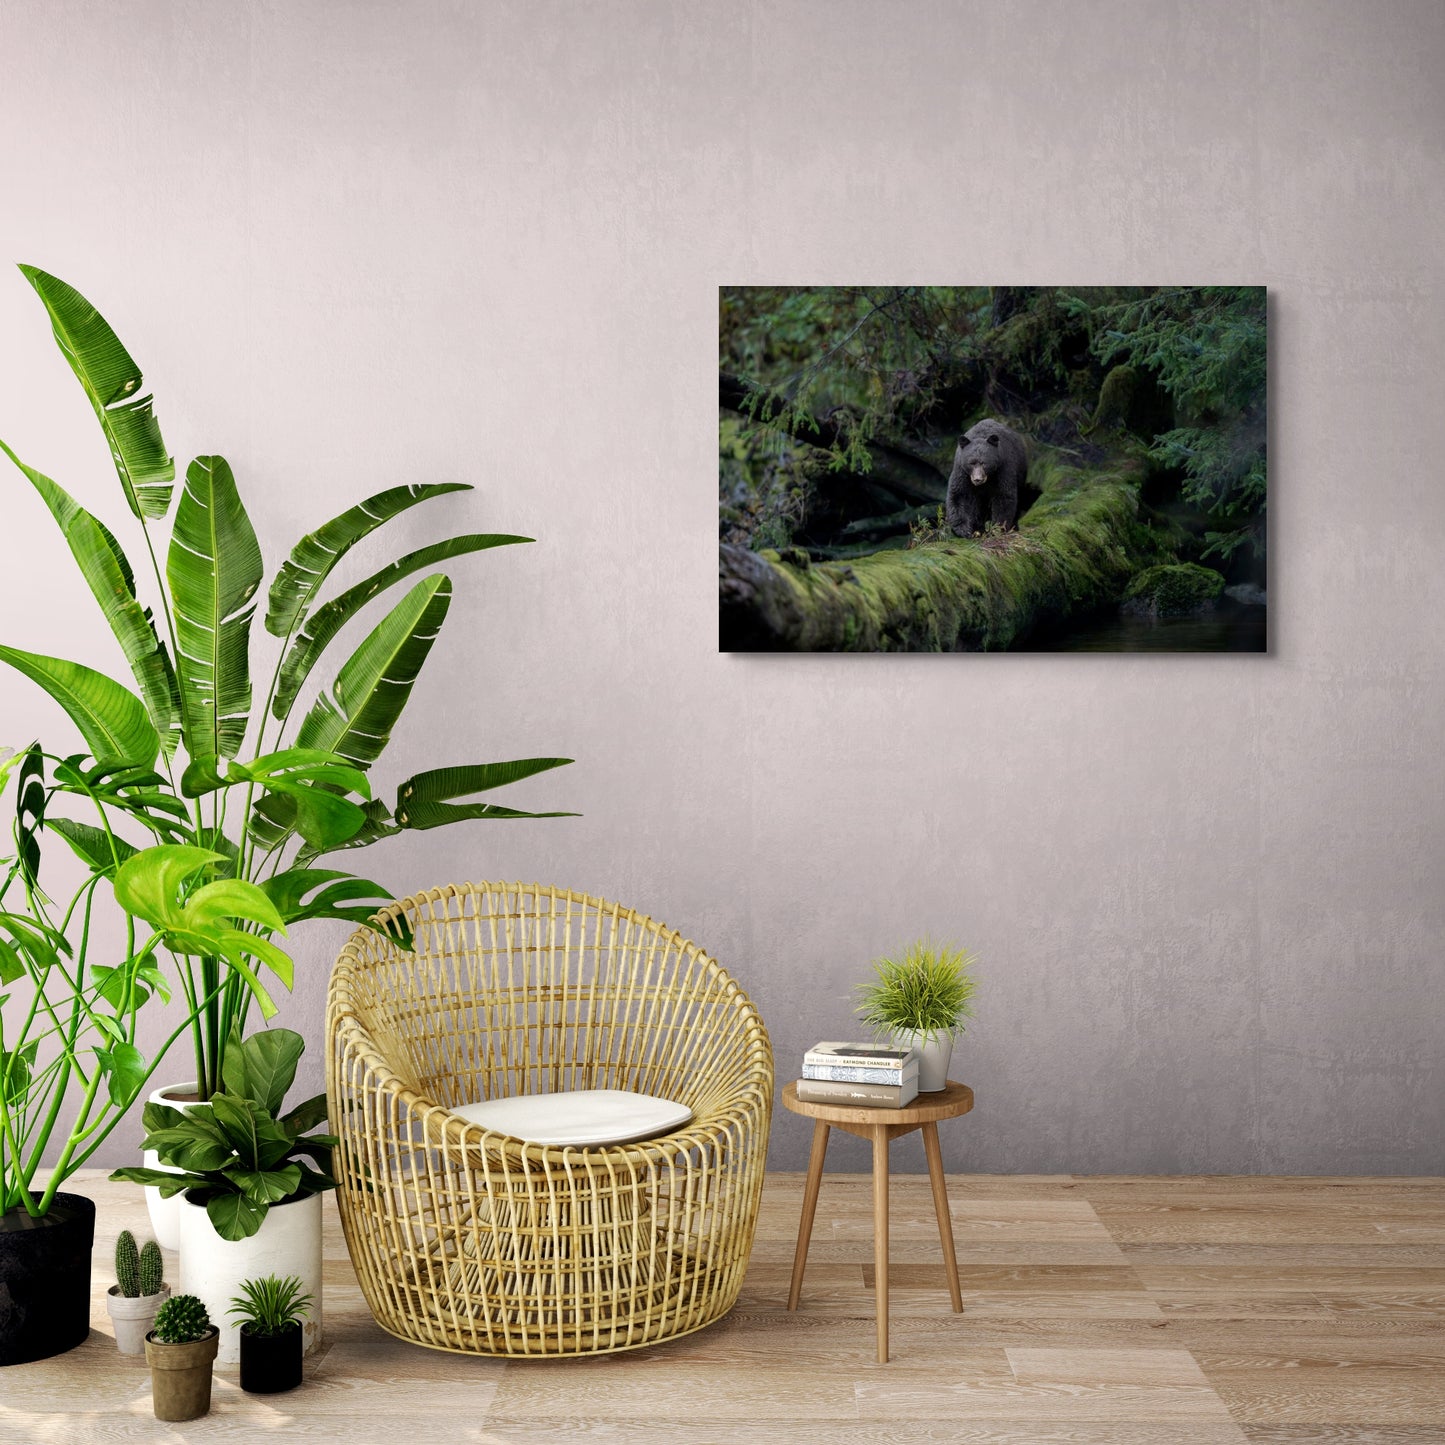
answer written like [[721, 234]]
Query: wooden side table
[[881, 1126]]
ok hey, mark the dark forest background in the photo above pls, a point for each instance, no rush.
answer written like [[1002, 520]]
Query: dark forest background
[[841, 406]]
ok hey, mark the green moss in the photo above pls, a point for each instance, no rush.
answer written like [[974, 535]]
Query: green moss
[[1077, 548], [1116, 398], [1173, 591]]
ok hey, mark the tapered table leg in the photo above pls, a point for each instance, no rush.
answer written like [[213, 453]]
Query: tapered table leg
[[940, 1208], [810, 1207], [880, 1236]]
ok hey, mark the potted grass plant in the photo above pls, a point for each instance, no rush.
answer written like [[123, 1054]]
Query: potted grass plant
[[270, 1310], [138, 1292], [181, 1351], [921, 998], [186, 758]]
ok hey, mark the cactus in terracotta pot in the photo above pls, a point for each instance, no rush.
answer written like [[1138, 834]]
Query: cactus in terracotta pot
[[181, 1350]]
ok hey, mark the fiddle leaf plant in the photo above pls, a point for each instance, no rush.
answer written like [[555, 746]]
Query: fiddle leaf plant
[[243, 1155], [185, 757]]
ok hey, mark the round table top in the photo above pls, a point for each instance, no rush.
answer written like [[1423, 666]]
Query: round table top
[[946, 1103]]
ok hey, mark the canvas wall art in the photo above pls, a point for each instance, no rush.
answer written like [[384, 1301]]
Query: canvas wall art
[[992, 468]]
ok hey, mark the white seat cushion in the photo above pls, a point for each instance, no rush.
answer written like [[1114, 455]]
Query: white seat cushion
[[582, 1117]]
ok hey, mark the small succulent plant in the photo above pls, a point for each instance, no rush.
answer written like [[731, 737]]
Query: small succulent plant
[[181, 1320], [138, 1271]]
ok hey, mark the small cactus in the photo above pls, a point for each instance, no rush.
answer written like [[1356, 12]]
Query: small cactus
[[180, 1320], [127, 1265], [152, 1268]]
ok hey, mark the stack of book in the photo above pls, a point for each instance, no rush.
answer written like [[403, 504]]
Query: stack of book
[[860, 1074]]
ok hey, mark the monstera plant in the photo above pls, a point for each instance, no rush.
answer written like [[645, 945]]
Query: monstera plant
[[184, 758], [71, 1060]]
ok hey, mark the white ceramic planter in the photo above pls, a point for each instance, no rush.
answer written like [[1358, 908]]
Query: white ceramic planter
[[165, 1213], [933, 1059], [288, 1242], [132, 1316]]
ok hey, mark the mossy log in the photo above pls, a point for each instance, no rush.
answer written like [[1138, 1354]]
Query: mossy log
[[1075, 550]]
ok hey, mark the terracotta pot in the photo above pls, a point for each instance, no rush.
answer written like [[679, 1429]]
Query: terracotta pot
[[181, 1376], [133, 1316], [45, 1279], [270, 1363]]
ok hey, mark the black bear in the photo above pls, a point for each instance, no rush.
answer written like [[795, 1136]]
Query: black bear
[[990, 467]]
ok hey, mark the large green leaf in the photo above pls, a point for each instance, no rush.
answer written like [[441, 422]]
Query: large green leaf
[[108, 574], [259, 1140], [112, 720], [313, 557], [214, 570], [101, 851], [266, 1186], [323, 624], [147, 884], [356, 717], [114, 384], [424, 801], [125, 1071], [234, 1216], [263, 1066], [332, 895], [439, 785]]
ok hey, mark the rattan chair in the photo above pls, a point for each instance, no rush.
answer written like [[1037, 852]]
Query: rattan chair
[[469, 1240]]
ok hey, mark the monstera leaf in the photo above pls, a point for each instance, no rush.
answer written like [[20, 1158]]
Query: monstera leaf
[[154, 886]]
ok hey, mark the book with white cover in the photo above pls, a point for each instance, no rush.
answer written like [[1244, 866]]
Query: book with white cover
[[860, 1056], [847, 1074]]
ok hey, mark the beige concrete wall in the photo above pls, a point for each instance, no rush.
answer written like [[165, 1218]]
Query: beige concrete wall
[[360, 244]]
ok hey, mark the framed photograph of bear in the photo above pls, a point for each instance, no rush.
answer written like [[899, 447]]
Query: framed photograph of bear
[[992, 468]]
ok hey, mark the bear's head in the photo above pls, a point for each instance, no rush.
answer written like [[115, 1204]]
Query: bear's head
[[979, 456]]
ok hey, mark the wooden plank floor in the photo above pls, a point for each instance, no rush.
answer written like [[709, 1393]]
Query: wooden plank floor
[[1097, 1311]]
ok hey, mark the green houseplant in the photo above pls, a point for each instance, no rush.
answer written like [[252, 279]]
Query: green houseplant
[[921, 997], [244, 1155], [70, 1063], [251, 1175], [270, 1310], [137, 1293], [181, 1351], [183, 757]]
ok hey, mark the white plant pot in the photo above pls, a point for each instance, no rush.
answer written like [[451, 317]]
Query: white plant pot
[[165, 1213], [132, 1316], [288, 1242], [933, 1059]]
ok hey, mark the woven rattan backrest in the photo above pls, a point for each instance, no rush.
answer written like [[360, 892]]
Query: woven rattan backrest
[[522, 989]]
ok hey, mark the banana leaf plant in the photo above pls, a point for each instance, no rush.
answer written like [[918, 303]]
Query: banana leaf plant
[[70, 1064], [243, 1155], [183, 758]]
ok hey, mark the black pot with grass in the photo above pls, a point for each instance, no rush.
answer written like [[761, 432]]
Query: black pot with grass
[[270, 1310]]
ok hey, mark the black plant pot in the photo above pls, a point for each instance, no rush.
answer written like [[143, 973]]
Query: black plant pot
[[45, 1279], [270, 1363]]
